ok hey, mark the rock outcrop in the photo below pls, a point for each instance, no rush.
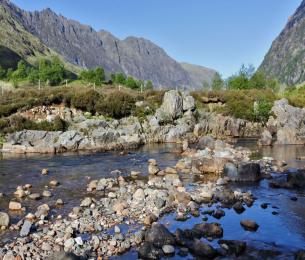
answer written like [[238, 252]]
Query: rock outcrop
[[285, 126]]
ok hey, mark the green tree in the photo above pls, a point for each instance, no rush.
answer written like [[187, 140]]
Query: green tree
[[217, 82], [132, 83], [120, 78], [20, 73], [149, 85]]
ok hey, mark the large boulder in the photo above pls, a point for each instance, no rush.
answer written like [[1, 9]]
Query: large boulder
[[159, 236], [287, 125], [172, 107], [243, 172]]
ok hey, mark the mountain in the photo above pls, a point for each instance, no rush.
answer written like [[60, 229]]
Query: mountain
[[286, 57], [45, 31], [199, 75]]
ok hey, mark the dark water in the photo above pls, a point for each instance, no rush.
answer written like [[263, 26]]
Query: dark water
[[285, 231]]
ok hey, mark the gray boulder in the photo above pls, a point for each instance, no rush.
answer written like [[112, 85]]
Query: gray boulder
[[159, 236], [243, 172], [172, 107]]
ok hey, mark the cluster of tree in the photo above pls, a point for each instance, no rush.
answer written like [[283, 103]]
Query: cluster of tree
[[93, 76], [246, 78], [50, 72], [130, 82]]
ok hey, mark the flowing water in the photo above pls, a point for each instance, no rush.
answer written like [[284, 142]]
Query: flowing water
[[284, 231]]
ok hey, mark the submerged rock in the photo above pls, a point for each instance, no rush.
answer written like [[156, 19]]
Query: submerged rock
[[4, 220], [249, 225], [159, 236]]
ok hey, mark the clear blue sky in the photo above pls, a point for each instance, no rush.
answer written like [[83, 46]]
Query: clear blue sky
[[221, 34]]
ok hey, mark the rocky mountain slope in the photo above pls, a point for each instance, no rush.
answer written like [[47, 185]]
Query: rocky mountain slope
[[199, 75], [84, 47], [286, 58]]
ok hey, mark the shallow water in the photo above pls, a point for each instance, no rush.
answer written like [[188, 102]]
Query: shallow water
[[285, 231]]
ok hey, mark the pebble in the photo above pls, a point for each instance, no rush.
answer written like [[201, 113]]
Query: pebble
[[13, 205], [45, 171], [249, 225], [46, 193], [54, 183], [168, 249], [35, 196]]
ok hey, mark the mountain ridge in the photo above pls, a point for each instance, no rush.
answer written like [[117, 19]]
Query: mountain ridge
[[285, 59], [85, 47]]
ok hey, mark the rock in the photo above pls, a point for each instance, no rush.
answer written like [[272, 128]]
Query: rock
[[46, 193], [243, 172], [4, 220], [79, 241], [54, 183], [13, 205], [148, 251], [150, 219], [86, 202], [46, 247], [45, 171], [300, 255], [249, 225], [264, 205], [66, 256], [159, 236], [42, 211], [206, 142], [59, 202], [135, 174], [35, 196], [218, 214], [238, 207], [171, 108], [233, 246], [139, 195], [20, 193], [188, 103], [183, 197], [296, 179], [153, 169], [69, 243], [213, 230], [26, 228], [168, 249], [265, 139], [202, 249], [117, 230]]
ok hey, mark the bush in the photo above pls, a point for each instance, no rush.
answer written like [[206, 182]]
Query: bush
[[19, 123], [241, 103], [85, 101], [116, 105]]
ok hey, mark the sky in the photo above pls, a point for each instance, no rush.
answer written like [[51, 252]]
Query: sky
[[220, 34]]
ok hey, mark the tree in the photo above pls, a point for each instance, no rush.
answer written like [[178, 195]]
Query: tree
[[120, 78], [21, 72], [149, 85], [132, 83], [217, 82], [2, 73]]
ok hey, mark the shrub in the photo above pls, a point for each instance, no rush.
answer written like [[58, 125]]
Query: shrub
[[116, 105], [85, 101]]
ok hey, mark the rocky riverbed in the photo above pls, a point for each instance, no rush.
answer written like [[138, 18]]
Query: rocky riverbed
[[207, 200]]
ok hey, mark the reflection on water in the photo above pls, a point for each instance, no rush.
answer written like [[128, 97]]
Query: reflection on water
[[288, 153]]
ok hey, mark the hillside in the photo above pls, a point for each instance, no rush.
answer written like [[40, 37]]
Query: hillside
[[199, 75], [286, 57], [84, 47]]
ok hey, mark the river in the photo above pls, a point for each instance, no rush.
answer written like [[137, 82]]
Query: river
[[285, 231]]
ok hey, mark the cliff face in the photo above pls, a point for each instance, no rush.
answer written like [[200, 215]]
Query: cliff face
[[286, 57], [82, 46]]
